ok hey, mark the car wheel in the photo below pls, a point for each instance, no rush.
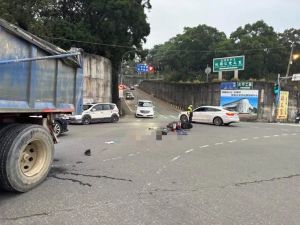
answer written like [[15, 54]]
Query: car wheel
[[114, 118], [218, 121], [57, 128], [184, 119], [86, 120]]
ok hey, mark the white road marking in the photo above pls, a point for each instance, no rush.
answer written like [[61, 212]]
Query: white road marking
[[138, 153], [245, 139], [284, 134], [188, 151], [175, 158], [232, 141], [131, 155], [106, 160], [275, 135], [149, 184], [116, 158], [204, 146], [294, 134], [266, 136], [256, 138], [219, 143]]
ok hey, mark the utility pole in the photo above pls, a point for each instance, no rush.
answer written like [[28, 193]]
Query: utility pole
[[290, 60]]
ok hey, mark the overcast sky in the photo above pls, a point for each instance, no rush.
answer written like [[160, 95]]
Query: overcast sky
[[167, 18]]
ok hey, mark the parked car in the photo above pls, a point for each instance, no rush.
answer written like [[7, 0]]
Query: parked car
[[60, 126], [97, 112], [211, 114], [131, 87], [144, 108], [129, 96]]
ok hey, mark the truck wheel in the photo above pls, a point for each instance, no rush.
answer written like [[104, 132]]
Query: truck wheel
[[26, 155], [86, 120]]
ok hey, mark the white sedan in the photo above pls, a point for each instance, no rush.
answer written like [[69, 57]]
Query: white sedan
[[211, 114]]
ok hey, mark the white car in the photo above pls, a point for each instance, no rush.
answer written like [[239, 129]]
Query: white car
[[211, 114], [144, 108], [97, 112]]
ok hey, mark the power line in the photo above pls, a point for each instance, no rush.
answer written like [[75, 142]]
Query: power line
[[89, 42], [171, 50]]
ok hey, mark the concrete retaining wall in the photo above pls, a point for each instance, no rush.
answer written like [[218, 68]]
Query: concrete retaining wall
[[182, 95], [97, 81]]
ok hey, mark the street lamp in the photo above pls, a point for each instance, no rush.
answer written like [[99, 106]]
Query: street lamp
[[292, 57]]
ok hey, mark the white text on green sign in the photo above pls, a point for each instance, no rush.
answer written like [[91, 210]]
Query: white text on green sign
[[229, 63]]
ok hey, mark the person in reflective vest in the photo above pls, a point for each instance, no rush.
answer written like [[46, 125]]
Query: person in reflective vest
[[190, 112]]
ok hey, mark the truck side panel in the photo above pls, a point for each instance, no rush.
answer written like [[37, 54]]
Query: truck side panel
[[35, 86]]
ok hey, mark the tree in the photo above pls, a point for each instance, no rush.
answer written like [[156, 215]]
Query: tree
[[261, 47], [114, 26], [287, 38], [188, 53]]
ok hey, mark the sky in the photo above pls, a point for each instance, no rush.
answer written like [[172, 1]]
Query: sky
[[167, 18]]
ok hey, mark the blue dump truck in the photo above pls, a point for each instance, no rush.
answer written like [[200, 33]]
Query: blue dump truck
[[38, 81]]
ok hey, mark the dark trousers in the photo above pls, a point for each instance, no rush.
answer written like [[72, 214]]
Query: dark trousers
[[190, 117]]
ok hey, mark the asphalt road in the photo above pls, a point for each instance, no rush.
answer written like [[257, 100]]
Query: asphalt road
[[248, 173]]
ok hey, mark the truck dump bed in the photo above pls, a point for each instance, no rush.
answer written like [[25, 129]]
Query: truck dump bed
[[36, 76]]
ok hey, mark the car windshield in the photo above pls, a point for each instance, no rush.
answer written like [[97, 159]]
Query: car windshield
[[145, 104], [86, 107]]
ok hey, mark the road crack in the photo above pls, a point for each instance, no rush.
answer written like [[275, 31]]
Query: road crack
[[26, 216], [99, 176], [266, 180], [73, 180]]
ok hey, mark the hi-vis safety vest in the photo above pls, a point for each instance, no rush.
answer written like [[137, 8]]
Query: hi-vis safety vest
[[190, 109]]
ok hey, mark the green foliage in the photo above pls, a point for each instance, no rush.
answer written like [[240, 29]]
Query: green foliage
[[109, 23], [266, 52]]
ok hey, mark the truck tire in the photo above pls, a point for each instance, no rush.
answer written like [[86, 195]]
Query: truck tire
[[26, 156]]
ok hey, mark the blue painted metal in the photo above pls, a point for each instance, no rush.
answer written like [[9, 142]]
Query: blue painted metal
[[36, 76], [39, 58]]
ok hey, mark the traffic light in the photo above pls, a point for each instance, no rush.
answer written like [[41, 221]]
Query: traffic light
[[151, 69]]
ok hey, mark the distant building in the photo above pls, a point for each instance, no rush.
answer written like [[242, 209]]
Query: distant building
[[242, 106]]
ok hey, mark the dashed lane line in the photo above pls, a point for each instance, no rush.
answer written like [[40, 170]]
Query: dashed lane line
[[204, 146], [175, 158], [188, 151], [219, 143]]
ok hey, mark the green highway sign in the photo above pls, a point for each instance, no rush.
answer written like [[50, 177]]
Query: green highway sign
[[229, 63]]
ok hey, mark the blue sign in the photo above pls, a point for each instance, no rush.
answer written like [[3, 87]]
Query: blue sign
[[229, 86], [141, 68]]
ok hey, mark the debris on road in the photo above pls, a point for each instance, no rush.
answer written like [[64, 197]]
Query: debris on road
[[159, 135], [87, 152]]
